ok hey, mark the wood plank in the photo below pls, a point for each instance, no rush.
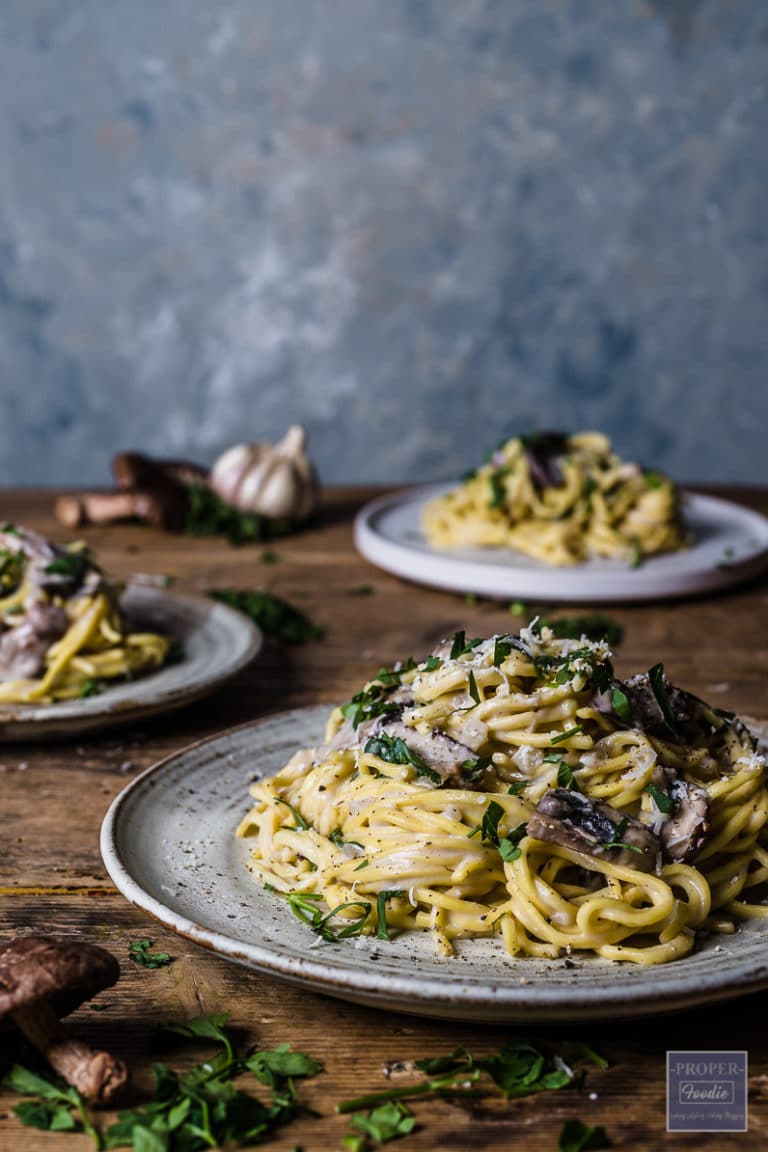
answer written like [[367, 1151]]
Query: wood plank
[[53, 796]]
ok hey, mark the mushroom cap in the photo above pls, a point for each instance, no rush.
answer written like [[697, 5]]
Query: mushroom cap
[[63, 972]]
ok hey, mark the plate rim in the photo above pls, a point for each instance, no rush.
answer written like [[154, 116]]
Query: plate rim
[[501, 998], [457, 573], [23, 721]]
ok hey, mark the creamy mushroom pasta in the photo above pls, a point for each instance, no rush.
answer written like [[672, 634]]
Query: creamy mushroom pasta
[[562, 499], [61, 631], [515, 786]]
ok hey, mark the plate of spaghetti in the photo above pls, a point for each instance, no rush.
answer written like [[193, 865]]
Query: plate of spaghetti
[[80, 652], [501, 831], [563, 517]]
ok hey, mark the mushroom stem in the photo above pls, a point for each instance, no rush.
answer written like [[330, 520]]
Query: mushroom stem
[[98, 508], [95, 1075]]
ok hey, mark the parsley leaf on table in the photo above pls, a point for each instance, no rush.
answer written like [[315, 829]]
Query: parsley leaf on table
[[274, 616]]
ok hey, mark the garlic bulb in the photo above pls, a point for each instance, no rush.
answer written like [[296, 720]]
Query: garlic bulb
[[275, 480]]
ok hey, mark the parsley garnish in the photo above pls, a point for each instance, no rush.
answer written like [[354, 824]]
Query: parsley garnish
[[517, 787], [663, 800], [394, 750], [496, 480], [91, 687], [566, 735], [73, 565], [489, 829], [305, 907], [298, 819], [617, 841], [432, 663], [139, 952], [501, 649], [274, 616], [593, 625], [56, 1107], [460, 645], [388, 1122], [578, 1137], [207, 515], [517, 1069], [637, 555], [565, 778], [474, 691], [659, 689], [621, 705], [382, 929], [654, 479], [475, 767]]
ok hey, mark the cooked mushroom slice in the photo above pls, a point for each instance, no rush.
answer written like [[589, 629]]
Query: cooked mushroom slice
[[685, 831], [575, 821], [43, 978], [440, 752], [23, 647]]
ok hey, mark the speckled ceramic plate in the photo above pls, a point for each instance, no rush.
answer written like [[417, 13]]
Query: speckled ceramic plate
[[168, 842], [216, 643], [730, 544]]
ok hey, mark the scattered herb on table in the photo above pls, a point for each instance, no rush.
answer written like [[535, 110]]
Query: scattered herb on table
[[387, 1122], [593, 625], [190, 1111], [578, 1137], [361, 590], [517, 1069], [139, 952], [207, 515], [270, 557], [274, 616]]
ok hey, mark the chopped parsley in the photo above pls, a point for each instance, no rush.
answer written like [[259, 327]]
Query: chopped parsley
[[578, 1137], [139, 952], [517, 787], [617, 841], [662, 800], [299, 822], [72, 565], [394, 750], [593, 625], [501, 649], [432, 663], [274, 616], [637, 555], [475, 766], [361, 590], [382, 928], [658, 687], [489, 830], [496, 479], [518, 1069], [562, 736], [207, 515], [566, 779], [306, 908], [474, 691], [621, 704], [460, 645]]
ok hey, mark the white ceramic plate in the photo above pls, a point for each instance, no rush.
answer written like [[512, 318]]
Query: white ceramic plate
[[730, 545], [168, 842], [216, 643]]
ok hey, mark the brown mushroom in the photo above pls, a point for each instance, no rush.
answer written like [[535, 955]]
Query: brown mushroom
[[163, 506], [599, 830], [134, 470], [43, 978]]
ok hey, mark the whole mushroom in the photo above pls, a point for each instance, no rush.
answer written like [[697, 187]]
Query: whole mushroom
[[43, 978]]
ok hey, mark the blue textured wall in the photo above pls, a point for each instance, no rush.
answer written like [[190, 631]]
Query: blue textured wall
[[411, 224]]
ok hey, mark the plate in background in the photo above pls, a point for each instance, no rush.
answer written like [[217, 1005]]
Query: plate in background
[[168, 842], [730, 544], [216, 643]]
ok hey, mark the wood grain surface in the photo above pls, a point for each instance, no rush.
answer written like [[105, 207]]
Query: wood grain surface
[[53, 797]]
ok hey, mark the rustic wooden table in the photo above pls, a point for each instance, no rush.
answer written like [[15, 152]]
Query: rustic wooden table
[[53, 797]]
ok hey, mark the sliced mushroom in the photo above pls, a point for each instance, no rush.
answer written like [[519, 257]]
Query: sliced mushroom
[[23, 648], [575, 821], [440, 752], [43, 978], [684, 832]]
